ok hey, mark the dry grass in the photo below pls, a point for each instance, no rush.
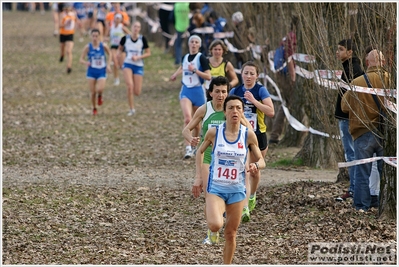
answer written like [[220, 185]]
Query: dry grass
[[113, 189]]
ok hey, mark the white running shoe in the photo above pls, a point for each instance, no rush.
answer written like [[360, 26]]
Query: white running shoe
[[212, 238], [117, 82], [189, 153], [131, 112], [207, 241], [194, 150]]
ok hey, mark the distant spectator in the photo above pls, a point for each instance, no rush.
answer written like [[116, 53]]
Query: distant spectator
[[32, 7], [285, 81], [351, 64], [200, 24], [195, 7], [22, 6], [218, 23], [364, 125], [164, 20], [7, 6], [206, 9], [352, 69], [181, 13], [240, 40]]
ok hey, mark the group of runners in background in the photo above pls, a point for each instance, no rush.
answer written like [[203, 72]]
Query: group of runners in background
[[223, 118]]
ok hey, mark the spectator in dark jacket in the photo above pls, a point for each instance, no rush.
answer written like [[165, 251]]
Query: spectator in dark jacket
[[352, 68], [199, 23], [217, 21]]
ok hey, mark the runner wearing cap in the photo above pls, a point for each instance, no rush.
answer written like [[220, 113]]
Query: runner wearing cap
[[194, 70]]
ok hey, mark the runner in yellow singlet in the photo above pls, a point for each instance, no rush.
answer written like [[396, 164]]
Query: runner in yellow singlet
[[220, 66]]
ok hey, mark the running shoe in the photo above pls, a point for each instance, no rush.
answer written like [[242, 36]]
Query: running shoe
[[252, 202], [116, 82], [61, 58], [207, 241], [245, 217], [94, 111], [193, 150], [189, 153], [131, 112], [100, 100], [211, 238], [69, 70]]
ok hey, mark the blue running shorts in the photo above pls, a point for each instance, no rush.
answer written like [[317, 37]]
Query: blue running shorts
[[230, 198], [139, 70], [96, 74], [195, 94]]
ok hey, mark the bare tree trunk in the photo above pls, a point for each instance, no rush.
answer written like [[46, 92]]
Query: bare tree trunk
[[322, 26], [388, 185]]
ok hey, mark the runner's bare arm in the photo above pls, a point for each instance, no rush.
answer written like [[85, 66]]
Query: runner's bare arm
[[208, 139], [197, 118]]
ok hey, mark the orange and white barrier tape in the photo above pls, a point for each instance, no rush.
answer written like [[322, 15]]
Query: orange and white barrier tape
[[389, 160], [233, 49], [166, 7], [297, 125], [321, 77], [223, 35], [204, 30], [297, 56], [390, 105]]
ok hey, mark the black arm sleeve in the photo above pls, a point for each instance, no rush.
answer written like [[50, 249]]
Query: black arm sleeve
[[204, 63]]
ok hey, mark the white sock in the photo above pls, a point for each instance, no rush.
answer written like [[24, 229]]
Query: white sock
[[188, 148]]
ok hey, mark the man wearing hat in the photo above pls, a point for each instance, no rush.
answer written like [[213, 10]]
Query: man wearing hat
[[240, 40]]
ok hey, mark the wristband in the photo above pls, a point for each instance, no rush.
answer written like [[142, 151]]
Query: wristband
[[257, 165]]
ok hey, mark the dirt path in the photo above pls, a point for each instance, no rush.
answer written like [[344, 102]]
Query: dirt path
[[161, 177], [114, 189]]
